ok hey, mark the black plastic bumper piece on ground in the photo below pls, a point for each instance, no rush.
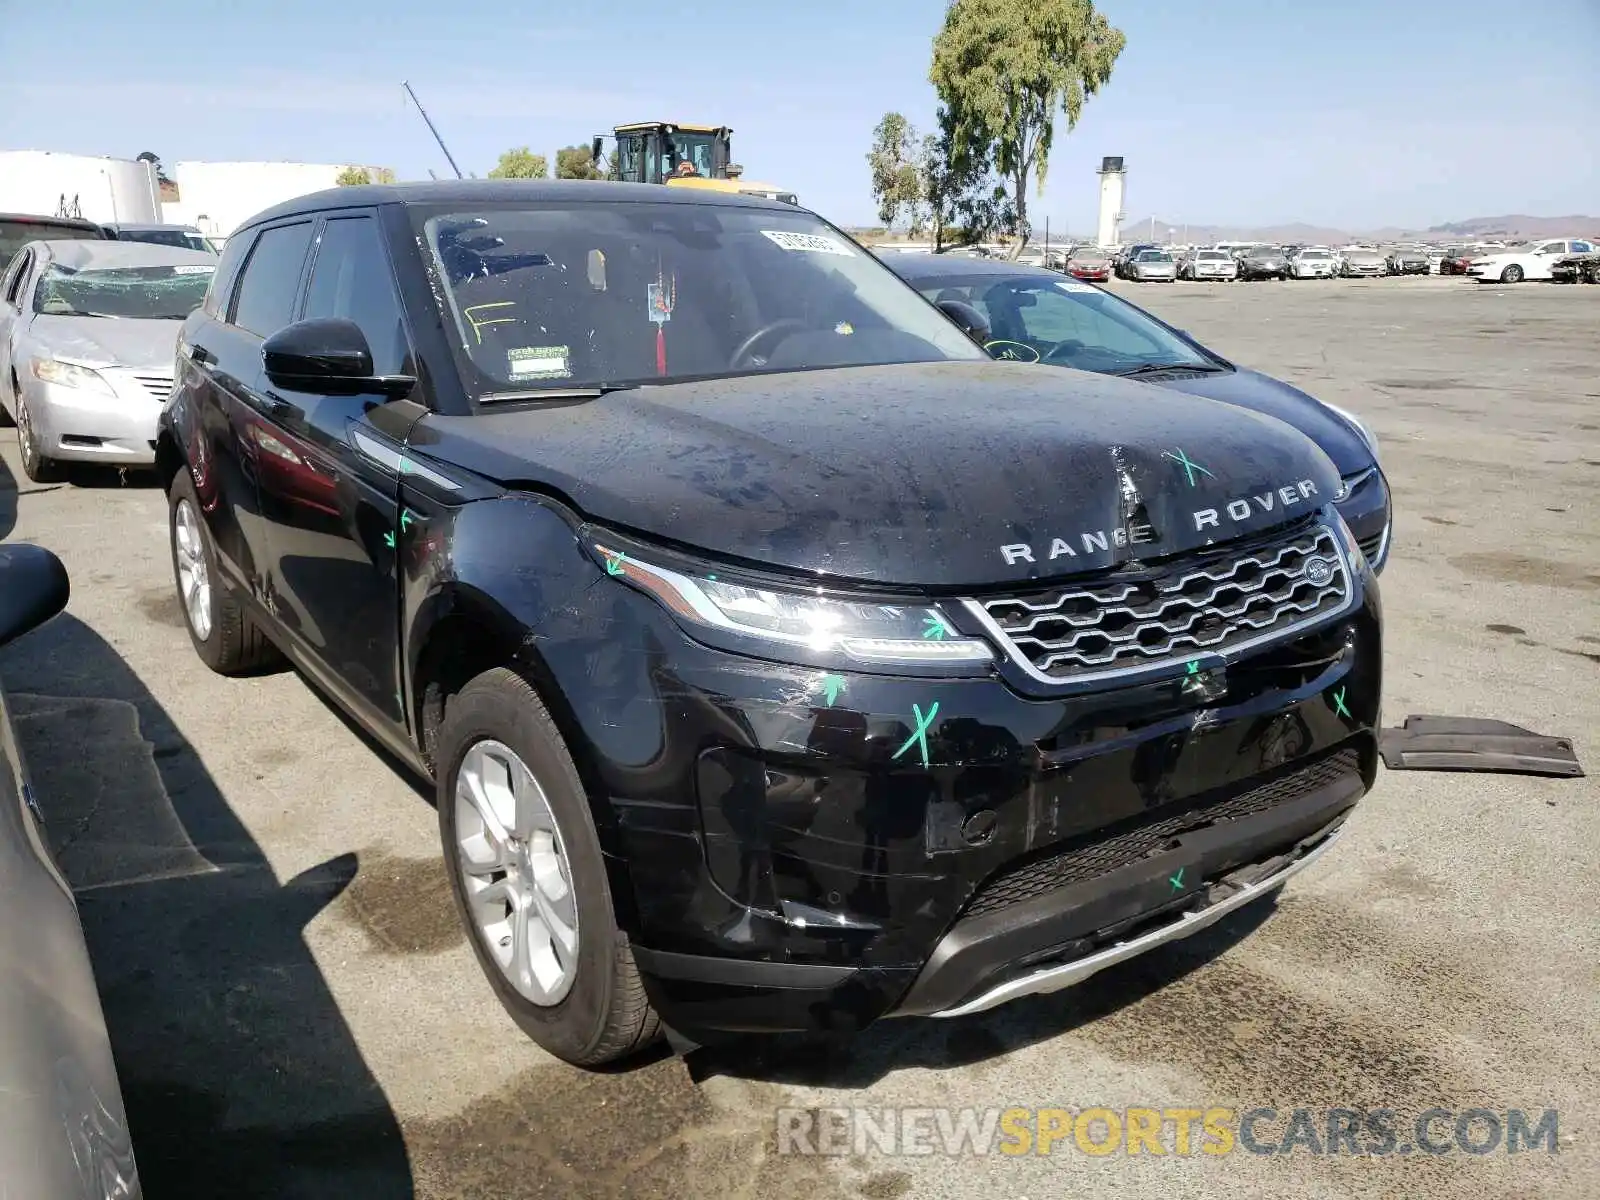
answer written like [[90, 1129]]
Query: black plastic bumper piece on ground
[[984, 954], [1471, 744]]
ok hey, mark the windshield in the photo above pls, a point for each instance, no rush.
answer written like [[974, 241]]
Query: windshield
[[1154, 256], [16, 234], [603, 294], [1063, 322], [1212, 255], [1313, 254], [181, 238], [150, 293]]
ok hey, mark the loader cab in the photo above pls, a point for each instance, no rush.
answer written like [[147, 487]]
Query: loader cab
[[652, 151]]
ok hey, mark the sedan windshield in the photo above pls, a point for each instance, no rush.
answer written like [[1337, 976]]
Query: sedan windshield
[[1213, 256], [151, 293], [1155, 256], [16, 234], [1035, 319], [596, 295]]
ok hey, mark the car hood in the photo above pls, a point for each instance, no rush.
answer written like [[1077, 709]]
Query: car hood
[[909, 474], [109, 341], [1264, 394]]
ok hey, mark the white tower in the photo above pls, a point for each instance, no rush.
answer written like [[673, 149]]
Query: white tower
[[1111, 194]]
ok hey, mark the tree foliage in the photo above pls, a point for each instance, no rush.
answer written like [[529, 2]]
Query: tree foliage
[[353, 177], [577, 162], [521, 163], [896, 177], [964, 202], [1004, 69]]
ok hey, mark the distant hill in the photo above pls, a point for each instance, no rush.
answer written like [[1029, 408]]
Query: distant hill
[[1515, 225]]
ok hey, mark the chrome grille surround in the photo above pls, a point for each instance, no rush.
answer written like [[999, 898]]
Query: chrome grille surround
[[1185, 610]]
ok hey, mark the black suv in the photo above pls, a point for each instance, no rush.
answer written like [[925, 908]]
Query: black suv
[[782, 661]]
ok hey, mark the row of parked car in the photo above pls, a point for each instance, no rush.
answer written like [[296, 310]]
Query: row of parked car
[[1568, 259]]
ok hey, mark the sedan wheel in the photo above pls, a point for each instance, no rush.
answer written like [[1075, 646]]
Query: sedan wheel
[[1512, 274], [516, 874], [34, 465]]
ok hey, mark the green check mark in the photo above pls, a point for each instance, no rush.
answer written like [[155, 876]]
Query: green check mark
[[614, 563]]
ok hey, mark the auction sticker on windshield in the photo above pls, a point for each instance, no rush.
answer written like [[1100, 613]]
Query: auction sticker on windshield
[[537, 362], [197, 269], [1068, 285], [814, 242]]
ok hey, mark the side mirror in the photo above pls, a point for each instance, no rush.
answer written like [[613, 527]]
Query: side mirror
[[33, 588], [594, 149], [971, 321], [330, 356]]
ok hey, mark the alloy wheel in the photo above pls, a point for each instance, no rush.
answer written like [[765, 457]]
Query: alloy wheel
[[194, 576], [515, 871]]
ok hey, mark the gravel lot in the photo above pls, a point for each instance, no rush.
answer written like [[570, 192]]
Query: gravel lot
[[296, 1013]]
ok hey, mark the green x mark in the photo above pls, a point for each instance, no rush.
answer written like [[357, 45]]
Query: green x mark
[[1188, 464], [1194, 666], [1177, 880], [920, 737], [935, 628], [1338, 704], [614, 563], [832, 685]]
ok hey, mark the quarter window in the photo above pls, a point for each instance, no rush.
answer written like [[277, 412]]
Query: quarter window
[[14, 277], [227, 274], [265, 303]]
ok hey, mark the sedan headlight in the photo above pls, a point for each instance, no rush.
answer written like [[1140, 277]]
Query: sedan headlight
[[1358, 425], [72, 375], [794, 624]]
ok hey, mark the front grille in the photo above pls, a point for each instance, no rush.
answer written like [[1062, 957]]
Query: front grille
[[1176, 611], [159, 386], [1107, 850]]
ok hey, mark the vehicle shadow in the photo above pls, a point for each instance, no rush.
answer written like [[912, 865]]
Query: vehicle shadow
[[942, 1044], [240, 1076], [8, 499]]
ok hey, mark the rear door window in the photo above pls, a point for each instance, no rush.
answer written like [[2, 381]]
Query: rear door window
[[271, 282]]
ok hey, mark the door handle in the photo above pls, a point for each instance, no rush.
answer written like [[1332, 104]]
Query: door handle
[[202, 356]]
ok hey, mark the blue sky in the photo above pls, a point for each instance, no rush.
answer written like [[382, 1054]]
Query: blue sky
[[1356, 114]]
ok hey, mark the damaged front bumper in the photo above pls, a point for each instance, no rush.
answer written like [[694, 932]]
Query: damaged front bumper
[[784, 860]]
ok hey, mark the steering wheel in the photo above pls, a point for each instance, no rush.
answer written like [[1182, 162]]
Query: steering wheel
[[778, 330], [1062, 351]]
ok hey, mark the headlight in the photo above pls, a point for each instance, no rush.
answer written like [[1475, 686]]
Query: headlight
[[1359, 426], [794, 624], [67, 374]]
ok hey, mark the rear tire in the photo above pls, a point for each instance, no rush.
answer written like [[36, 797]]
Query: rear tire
[[225, 636], [583, 1002]]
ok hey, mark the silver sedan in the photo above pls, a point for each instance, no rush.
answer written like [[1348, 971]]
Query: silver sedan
[[1152, 266], [88, 336]]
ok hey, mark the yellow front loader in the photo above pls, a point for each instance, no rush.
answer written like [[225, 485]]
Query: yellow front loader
[[677, 155]]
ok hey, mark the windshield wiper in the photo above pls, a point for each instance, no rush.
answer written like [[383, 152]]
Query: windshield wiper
[[581, 393], [1152, 368]]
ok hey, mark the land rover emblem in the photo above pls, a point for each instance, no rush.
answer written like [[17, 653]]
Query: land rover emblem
[[1318, 571]]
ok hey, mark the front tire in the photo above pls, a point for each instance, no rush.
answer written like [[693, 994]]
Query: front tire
[[224, 635], [35, 466], [529, 880], [1512, 274]]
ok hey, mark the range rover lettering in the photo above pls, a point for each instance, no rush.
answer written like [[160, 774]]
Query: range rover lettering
[[665, 533]]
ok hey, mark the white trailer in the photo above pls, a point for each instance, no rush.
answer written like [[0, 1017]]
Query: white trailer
[[107, 190]]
